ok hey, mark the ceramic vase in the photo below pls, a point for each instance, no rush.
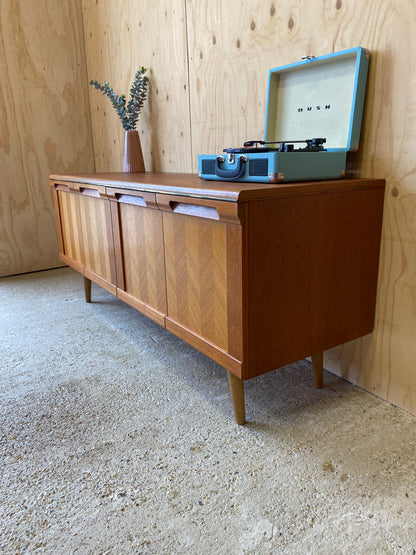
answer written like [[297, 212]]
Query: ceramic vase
[[133, 155]]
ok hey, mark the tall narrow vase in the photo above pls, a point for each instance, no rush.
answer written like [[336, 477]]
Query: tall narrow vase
[[133, 155]]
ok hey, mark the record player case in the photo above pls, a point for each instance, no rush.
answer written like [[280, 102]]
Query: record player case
[[314, 99]]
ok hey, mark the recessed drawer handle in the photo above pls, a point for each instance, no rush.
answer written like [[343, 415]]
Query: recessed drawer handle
[[61, 187], [86, 191], [194, 210], [131, 199]]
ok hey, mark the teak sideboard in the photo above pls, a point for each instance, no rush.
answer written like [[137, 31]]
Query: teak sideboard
[[255, 276]]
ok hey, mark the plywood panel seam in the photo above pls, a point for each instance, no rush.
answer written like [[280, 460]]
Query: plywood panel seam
[[84, 51], [188, 83]]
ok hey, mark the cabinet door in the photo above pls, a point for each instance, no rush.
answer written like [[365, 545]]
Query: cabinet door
[[141, 233], [203, 246], [97, 233], [85, 232], [69, 227]]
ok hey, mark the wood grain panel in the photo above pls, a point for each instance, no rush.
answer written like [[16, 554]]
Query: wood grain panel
[[98, 238], [143, 254], [313, 285], [70, 219], [196, 275], [45, 124], [236, 287], [119, 38]]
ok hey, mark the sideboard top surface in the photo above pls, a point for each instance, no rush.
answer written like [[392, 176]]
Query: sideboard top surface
[[191, 185]]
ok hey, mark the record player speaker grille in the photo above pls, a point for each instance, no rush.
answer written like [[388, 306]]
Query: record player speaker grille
[[208, 167], [258, 167]]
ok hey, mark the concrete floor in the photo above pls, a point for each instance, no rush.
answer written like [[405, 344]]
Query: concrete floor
[[117, 437]]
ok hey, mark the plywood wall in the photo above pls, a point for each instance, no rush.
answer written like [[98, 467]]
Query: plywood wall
[[45, 124], [385, 362], [120, 37]]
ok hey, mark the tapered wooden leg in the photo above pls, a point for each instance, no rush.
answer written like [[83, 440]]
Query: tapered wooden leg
[[318, 369], [87, 289], [237, 397]]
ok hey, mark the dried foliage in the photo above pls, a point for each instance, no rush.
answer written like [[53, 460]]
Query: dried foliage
[[128, 114]]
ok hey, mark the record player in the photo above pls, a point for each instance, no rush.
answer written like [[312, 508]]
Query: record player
[[313, 119]]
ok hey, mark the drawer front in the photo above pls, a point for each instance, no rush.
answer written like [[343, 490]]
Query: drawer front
[[223, 211]]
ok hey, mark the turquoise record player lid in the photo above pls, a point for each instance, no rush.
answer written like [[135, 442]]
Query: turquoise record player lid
[[319, 97]]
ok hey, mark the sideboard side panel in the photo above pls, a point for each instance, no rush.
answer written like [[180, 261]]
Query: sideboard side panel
[[312, 274]]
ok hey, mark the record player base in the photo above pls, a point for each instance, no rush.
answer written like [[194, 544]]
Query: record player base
[[254, 276]]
